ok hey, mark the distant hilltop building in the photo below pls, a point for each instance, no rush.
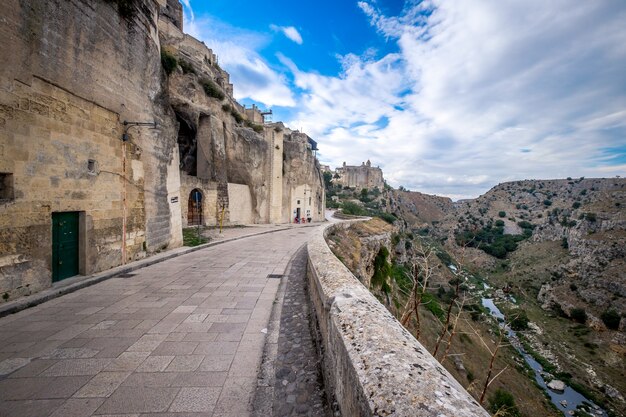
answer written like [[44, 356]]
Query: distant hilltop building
[[363, 176]]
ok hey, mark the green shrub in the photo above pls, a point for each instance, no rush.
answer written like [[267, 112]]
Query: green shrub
[[332, 204], [547, 202], [389, 218], [211, 89], [611, 319], [168, 61], [502, 213], [503, 403], [186, 67], [525, 225], [402, 276], [381, 270], [491, 240], [354, 209], [499, 223], [257, 128], [576, 204], [591, 217], [430, 302], [564, 243], [226, 107], [579, 315], [238, 118], [520, 321]]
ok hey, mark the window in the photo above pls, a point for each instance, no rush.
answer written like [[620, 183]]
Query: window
[[92, 166], [6, 187]]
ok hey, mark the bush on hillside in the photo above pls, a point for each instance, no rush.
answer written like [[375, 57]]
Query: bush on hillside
[[348, 207], [168, 61], [579, 315], [611, 319], [502, 404], [211, 89]]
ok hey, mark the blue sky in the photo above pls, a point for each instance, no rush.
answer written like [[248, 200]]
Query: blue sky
[[449, 97]]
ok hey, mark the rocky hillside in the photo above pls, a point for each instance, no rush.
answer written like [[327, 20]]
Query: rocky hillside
[[554, 251], [586, 216], [417, 208]]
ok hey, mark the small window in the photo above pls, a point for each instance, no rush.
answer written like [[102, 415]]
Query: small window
[[92, 166], [6, 187], [298, 202]]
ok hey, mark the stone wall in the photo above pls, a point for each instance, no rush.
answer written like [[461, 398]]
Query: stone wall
[[372, 366], [77, 70], [239, 204]]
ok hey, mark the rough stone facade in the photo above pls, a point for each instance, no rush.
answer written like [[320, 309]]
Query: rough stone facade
[[269, 170], [78, 70], [363, 176], [372, 365]]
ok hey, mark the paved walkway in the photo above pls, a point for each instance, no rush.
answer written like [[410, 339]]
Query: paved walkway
[[290, 382], [183, 337]]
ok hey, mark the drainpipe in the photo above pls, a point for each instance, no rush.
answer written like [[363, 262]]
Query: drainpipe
[[123, 203]]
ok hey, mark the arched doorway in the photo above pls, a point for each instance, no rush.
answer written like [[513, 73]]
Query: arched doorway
[[194, 208]]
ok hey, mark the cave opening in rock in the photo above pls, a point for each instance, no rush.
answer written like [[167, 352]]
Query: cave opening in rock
[[187, 147]]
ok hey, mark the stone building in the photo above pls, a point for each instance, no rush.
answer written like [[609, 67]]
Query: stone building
[[364, 176], [104, 157]]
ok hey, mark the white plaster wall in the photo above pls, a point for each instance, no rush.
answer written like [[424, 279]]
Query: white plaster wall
[[173, 193], [239, 204], [302, 196], [276, 179]]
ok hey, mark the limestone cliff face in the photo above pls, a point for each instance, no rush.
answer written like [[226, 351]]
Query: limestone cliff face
[[358, 245], [222, 142]]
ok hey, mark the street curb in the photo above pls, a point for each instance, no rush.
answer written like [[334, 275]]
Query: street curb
[[52, 293], [263, 399]]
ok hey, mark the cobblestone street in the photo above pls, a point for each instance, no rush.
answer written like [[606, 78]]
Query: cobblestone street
[[183, 337]]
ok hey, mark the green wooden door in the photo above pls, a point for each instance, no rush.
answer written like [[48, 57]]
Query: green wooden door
[[64, 245]]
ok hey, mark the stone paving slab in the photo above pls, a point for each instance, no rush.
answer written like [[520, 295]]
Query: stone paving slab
[[70, 285], [180, 338]]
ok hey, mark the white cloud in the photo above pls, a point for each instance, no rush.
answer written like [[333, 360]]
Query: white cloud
[[479, 93], [289, 31], [251, 75]]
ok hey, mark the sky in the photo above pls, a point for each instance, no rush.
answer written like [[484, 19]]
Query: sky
[[448, 97]]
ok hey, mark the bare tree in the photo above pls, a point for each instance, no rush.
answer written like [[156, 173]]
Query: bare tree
[[453, 330], [499, 344], [421, 269], [456, 281], [457, 285]]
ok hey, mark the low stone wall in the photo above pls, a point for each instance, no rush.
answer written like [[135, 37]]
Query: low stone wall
[[373, 366]]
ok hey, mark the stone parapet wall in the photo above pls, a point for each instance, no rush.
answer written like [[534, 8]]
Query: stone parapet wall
[[372, 365]]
